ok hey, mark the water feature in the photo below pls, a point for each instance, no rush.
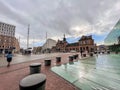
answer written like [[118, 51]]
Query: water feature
[[94, 73]]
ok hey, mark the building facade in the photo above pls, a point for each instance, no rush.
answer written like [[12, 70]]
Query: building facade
[[37, 50], [7, 29], [16, 45], [72, 47], [86, 43], [48, 45], [61, 45], [113, 38], [7, 37]]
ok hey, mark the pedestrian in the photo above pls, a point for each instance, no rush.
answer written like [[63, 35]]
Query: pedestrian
[[9, 58], [81, 52]]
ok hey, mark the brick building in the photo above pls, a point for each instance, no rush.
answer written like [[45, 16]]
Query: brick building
[[16, 45], [7, 37], [72, 47], [37, 50], [61, 45], [86, 43]]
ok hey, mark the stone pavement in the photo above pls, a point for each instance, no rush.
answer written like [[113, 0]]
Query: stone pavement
[[18, 58], [11, 76]]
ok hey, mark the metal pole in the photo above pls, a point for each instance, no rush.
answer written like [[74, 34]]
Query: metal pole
[[28, 36], [33, 41], [46, 41]]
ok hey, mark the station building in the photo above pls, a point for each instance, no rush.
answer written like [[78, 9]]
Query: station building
[[86, 43]]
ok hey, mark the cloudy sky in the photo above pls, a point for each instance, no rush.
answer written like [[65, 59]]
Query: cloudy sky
[[57, 17]]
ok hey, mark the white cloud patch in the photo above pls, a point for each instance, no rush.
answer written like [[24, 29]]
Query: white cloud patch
[[56, 17]]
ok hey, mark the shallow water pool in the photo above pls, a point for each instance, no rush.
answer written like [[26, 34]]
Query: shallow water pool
[[101, 72]]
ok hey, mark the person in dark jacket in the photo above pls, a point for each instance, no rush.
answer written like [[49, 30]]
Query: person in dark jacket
[[9, 58]]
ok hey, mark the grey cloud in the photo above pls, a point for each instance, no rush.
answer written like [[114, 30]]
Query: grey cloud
[[57, 17]]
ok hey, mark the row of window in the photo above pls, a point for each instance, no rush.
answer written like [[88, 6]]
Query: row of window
[[7, 34], [7, 30], [6, 37], [6, 25], [85, 42], [11, 35], [5, 46], [73, 49], [6, 41]]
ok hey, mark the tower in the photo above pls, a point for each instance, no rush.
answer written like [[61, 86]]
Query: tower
[[64, 39]]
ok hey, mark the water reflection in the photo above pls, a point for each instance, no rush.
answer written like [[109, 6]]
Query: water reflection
[[102, 71], [58, 64], [65, 66], [71, 63]]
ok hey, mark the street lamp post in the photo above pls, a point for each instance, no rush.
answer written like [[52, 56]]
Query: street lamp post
[[28, 36]]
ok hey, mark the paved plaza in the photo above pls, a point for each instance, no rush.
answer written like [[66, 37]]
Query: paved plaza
[[11, 76], [100, 72], [18, 58]]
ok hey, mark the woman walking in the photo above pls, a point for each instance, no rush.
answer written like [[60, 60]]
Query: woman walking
[[9, 58]]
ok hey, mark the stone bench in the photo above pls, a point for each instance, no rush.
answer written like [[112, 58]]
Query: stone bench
[[47, 62], [35, 68], [33, 82]]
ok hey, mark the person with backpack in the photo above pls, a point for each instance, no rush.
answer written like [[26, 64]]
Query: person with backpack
[[9, 58]]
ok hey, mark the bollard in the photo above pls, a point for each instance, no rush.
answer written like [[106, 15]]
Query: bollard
[[108, 52], [95, 52], [33, 82], [70, 58], [116, 52], [35, 68], [58, 59], [74, 57], [91, 54], [47, 62], [84, 55]]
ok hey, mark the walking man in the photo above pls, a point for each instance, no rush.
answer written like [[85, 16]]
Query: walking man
[[9, 58]]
